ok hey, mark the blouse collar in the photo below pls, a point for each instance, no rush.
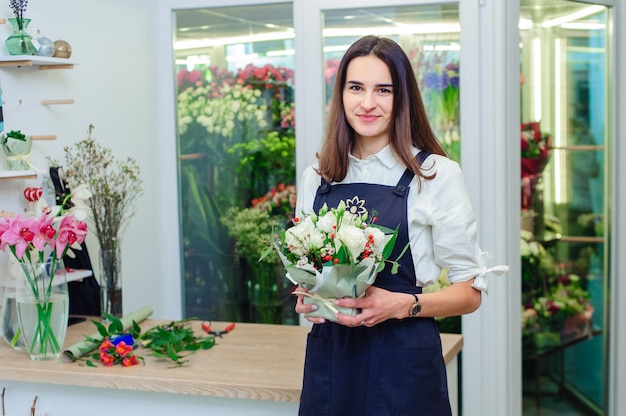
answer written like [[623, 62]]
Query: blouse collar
[[385, 156]]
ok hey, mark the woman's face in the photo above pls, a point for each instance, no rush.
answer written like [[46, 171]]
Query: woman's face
[[368, 99]]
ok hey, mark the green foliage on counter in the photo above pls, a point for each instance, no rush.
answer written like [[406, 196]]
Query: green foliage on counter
[[173, 341]]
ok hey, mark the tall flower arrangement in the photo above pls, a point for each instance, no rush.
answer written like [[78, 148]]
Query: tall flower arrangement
[[38, 244], [116, 186]]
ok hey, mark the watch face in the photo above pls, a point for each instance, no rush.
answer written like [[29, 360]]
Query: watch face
[[416, 309]]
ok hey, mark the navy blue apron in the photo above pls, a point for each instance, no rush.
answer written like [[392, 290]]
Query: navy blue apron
[[393, 368]]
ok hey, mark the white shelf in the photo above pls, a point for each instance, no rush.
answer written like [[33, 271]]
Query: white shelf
[[72, 276], [33, 60], [18, 174]]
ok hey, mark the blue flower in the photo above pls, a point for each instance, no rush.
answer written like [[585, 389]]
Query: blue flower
[[127, 338]]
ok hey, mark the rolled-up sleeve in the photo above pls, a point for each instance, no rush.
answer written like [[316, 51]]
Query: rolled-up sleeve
[[446, 208]]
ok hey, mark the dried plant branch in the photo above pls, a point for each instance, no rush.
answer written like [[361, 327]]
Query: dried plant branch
[[115, 185], [34, 407]]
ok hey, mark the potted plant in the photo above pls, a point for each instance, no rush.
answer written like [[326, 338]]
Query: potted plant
[[16, 146]]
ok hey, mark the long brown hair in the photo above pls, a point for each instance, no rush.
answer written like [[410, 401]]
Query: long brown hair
[[410, 125]]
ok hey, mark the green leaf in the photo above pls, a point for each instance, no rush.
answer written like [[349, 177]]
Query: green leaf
[[403, 251], [266, 253], [102, 330], [116, 326], [389, 246]]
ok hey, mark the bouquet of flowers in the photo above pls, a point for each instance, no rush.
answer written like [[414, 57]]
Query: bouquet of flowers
[[38, 244], [335, 253]]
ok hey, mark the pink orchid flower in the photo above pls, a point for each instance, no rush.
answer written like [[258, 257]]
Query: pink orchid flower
[[4, 225], [70, 232], [19, 234], [44, 233]]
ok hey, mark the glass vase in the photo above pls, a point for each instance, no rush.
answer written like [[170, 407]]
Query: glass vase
[[110, 283], [43, 308], [20, 42], [9, 325]]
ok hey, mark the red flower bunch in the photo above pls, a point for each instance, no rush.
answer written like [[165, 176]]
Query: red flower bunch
[[280, 200], [118, 350], [268, 74], [535, 148], [535, 155], [214, 76], [190, 79]]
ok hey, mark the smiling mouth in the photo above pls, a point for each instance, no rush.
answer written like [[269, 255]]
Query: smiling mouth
[[366, 117]]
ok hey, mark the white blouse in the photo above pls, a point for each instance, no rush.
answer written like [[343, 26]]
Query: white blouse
[[442, 225]]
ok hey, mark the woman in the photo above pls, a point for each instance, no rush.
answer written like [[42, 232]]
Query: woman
[[379, 146]]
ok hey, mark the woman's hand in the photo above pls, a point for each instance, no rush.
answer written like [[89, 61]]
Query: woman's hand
[[303, 308], [376, 306]]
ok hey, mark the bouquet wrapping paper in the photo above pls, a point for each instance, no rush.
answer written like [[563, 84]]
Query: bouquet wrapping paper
[[333, 282]]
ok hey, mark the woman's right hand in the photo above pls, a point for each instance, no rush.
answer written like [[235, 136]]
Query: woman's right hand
[[305, 309]]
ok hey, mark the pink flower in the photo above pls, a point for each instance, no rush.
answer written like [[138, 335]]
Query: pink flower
[[4, 225], [106, 359], [70, 232], [19, 234], [122, 349], [44, 232]]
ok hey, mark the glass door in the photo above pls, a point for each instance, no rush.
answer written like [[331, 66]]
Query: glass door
[[565, 138], [236, 143]]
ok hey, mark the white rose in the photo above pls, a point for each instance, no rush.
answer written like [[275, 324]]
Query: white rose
[[304, 237], [316, 239], [353, 238], [327, 223]]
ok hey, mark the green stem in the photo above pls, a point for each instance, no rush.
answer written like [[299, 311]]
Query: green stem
[[16, 336]]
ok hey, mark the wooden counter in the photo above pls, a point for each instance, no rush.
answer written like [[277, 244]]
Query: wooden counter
[[254, 361]]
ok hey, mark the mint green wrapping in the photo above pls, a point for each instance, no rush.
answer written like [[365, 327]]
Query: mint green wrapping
[[74, 352], [333, 282]]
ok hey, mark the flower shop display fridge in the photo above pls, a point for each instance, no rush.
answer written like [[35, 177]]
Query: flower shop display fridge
[[565, 91]]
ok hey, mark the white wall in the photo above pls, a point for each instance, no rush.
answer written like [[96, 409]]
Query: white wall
[[114, 87]]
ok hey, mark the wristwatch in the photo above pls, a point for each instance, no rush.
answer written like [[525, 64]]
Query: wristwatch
[[415, 308]]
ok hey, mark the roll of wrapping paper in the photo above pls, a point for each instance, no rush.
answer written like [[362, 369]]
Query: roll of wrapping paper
[[83, 347]]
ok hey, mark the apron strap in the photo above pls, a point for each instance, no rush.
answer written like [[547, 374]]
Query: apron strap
[[403, 184]]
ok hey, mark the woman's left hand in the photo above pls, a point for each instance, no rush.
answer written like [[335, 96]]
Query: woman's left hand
[[376, 306]]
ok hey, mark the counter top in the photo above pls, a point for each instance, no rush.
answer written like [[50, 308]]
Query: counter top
[[254, 361]]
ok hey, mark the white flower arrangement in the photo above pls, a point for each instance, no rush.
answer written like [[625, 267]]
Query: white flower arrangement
[[335, 253]]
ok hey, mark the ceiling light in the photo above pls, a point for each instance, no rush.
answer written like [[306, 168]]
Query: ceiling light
[[206, 43], [587, 11]]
